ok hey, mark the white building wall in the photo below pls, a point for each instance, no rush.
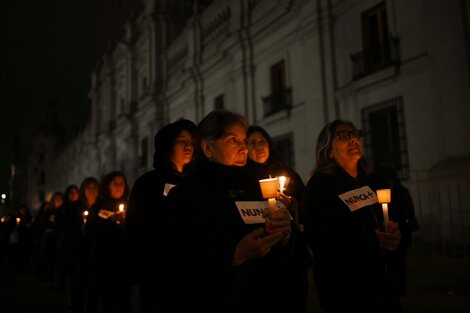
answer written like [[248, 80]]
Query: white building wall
[[229, 50]]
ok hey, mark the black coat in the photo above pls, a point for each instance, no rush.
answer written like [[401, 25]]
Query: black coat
[[145, 218], [349, 266], [205, 227]]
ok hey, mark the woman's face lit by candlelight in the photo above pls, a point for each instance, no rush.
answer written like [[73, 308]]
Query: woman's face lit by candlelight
[[117, 187], [258, 148], [183, 149], [230, 149]]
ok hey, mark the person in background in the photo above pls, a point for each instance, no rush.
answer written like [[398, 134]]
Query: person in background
[[219, 261], [89, 193], [109, 289], [49, 241], [40, 222], [172, 161], [68, 225], [24, 244], [346, 234], [401, 209], [263, 162]]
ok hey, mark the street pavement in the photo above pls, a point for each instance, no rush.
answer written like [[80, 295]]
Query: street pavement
[[435, 283]]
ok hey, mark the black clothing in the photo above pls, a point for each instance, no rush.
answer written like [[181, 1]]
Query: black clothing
[[108, 277], [69, 230], [205, 229], [349, 266], [300, 251], [144, 219]]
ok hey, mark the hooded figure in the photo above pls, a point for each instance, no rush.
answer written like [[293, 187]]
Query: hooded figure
[[145, 216]]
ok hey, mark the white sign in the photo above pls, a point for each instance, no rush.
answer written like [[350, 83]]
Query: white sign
[[167, 189], [358, 198], [251, 212]]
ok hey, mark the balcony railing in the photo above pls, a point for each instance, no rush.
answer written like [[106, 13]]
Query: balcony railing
[[375, 58], [277, 101]]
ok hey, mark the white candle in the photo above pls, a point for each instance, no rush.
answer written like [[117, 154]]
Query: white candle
[[121, 207], [384, 196], [272, 203], [282, 182], [385, 213]]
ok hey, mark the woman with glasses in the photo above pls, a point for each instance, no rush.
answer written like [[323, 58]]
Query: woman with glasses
[[343, 224], [219, 257]]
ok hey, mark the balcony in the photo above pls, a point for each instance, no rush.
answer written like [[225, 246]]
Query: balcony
[[277, 101], [375, 58]]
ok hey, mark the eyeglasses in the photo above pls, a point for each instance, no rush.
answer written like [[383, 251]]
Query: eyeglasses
[[348, 134]]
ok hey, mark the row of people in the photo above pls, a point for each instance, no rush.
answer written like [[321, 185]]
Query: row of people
[[182, 236]]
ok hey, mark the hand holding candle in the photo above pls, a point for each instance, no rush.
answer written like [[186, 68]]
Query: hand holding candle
[[384, 197]]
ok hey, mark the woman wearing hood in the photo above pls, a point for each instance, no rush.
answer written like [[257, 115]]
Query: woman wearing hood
[[145, 215]]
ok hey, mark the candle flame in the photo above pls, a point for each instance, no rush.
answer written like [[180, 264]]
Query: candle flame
[[85, 213], [121, 207]]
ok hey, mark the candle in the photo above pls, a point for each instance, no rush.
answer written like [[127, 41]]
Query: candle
[[121, 207], [85, 215], [282, 182], [384, 197], [269, 187], [18, 220], [269, 191]]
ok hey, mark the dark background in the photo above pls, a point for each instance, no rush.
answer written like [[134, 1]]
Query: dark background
[[48, 51]]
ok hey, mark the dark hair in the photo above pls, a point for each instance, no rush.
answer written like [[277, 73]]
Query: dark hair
[[85, 183], [106, 181], [165, 140], [324, 163], [67, 192], [258, 129], [214, 125]]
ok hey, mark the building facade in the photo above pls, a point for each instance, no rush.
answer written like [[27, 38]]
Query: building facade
[[398, 69]]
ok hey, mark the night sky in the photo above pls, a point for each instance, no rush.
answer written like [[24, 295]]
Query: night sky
[[48, 50]]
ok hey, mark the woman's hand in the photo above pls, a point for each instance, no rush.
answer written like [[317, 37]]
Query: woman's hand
[[287, 200], [390, 239], [281, 220], [254, 245]]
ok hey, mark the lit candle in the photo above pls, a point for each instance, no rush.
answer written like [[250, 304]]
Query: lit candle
[[85, 215], [121, 207], [282, 182], [18, 220], [269, 187], [384, 197], [269, 191]]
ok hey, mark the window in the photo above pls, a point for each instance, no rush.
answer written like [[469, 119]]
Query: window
[[385, 136], [379, 48], [283, 145], [219, 102], [280, 97], [143, 152]]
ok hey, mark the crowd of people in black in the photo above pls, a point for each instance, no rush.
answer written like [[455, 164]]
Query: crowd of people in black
[[190, 234]]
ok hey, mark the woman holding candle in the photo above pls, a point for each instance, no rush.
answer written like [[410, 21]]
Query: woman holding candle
[[172, 162], [89, 193], [109, 287], [217, 261], [263, 162], [342, 224]]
